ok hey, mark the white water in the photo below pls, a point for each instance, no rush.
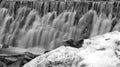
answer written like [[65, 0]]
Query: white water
[[49, 31]]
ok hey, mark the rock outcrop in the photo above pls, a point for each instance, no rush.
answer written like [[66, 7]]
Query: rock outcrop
[[99, 51]]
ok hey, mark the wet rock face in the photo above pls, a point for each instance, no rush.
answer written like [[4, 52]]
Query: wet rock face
[[99, 51], [15, 60], [17, 57]]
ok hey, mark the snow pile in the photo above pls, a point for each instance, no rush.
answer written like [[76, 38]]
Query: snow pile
[[99, 51]]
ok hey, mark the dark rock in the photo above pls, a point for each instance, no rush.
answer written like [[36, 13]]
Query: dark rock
[[16, 60], [72, 43], [4, 46], [47, 51]]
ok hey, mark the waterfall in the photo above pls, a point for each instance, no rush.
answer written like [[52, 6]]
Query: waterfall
[[47, 25]]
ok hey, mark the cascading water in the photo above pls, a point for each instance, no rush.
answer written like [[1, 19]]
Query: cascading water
[[50, 27]]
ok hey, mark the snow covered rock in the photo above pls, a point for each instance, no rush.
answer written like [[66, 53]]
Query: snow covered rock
[[99, 51]]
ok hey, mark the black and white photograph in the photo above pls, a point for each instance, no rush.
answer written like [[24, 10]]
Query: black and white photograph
[[59, 33]]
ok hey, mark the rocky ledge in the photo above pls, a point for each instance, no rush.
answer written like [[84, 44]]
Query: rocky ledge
[[98, 51]]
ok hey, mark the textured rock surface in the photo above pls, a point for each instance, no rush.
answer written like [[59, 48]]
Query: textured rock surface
[[99, 51]]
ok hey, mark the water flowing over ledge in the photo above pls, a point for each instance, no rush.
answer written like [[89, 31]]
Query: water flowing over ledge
[[48, 24], [36, 27]]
